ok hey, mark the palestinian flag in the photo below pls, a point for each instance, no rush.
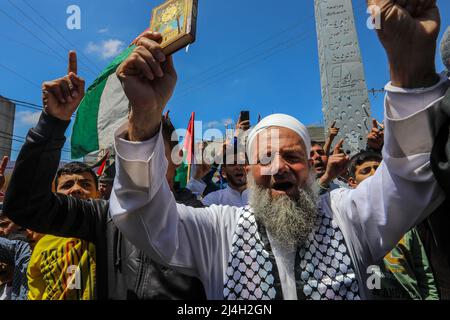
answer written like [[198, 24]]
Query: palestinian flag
[[184, 170], [103, 110]]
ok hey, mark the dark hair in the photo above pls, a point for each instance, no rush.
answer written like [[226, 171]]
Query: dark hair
[[316, 143], [232, 150], [75, 168], [360, 158]]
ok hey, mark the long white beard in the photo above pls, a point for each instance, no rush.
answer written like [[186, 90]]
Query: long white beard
[[288, 221]]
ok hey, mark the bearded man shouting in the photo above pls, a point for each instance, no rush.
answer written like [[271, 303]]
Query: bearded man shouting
[[288, 243]]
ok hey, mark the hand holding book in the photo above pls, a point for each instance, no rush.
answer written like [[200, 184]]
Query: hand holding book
[[176, 21], [148, 79]]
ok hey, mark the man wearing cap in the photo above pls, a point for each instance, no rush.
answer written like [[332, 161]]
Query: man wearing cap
[[288, 243]]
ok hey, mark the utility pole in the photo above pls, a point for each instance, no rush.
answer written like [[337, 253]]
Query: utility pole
[[7, 116], [344, 92]]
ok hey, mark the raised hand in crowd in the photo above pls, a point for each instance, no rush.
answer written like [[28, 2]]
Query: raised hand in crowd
[[409, 34], [337, 164], [148, 78], [242, 125], [375, 139], [201, 170], [332, 134], [61, 97], [3, 166]]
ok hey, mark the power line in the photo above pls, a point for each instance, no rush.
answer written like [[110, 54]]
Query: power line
[[20, 76], [59, 33], [15, 150], [245, 64], [241, 53], [7, 149], [27, 45], [31, 105], [33, 34], [266, 40], [62, 36], [28, 105], [374, 91], [21, 139], [38, 38], [48, 34]]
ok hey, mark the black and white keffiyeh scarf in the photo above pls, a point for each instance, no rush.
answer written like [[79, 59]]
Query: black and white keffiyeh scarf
[[323, 267]]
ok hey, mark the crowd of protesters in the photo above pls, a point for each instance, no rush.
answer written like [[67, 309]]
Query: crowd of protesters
[[311, 223]]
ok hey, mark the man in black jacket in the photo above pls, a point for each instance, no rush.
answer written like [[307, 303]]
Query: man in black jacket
[[123, 272], [434, 230]]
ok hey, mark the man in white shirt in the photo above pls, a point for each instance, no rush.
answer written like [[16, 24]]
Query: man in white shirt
[[233, 170], [287, 243]]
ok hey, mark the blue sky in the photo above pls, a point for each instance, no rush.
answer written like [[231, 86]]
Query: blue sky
[[255, 55]]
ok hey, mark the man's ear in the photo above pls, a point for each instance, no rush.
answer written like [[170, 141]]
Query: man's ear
[[352, 183]]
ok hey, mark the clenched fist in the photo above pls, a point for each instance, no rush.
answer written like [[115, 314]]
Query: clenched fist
[[375, 139], [337, 164], [148, 78], [62, 97], [409, 32]]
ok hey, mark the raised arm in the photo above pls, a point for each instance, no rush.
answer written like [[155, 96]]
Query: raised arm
[[29, 200], [142, 205], [403, 191], [332, 134]]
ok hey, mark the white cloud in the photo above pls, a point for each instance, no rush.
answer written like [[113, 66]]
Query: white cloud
[[106, 49], [28, 117], [227, 122], [219, 124], [212, 124], [104, 30]]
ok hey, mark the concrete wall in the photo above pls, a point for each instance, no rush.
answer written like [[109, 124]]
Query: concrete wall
[[7, 114]]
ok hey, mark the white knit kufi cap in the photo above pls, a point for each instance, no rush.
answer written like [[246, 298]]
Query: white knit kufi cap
[[283, 121]]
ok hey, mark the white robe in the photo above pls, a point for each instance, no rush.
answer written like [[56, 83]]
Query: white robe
[[373, 217], [225, 197]]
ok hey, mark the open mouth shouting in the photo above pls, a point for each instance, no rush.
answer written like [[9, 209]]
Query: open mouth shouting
[[319, 167], [283, 187], [239, 175]]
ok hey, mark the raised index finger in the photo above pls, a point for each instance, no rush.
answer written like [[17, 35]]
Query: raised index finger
[[338, 147], [73, 64], [374, 123]]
